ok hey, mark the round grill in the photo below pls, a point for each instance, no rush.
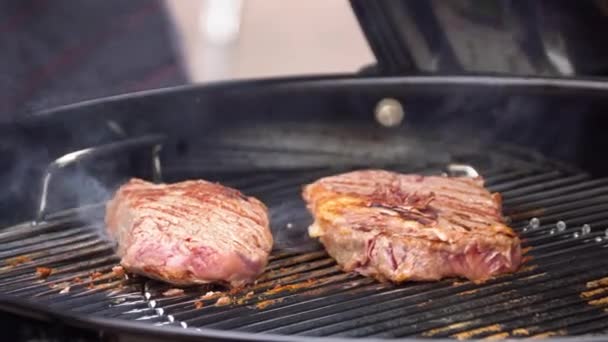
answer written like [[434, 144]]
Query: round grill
[[560, 290]]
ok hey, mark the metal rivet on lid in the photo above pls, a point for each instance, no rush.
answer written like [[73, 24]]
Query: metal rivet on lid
[[389, 112]]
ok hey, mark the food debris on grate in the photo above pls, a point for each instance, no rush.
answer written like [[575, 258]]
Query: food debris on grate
[[18, 260], [43, 272], [224, 300], [560, 290], [118, 271], [173, 292]]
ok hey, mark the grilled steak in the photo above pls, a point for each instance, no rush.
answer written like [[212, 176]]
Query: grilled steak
[[408, 227], [190, 232]]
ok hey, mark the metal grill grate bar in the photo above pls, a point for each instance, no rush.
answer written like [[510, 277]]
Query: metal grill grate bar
[[396, 306], [316, 298], [340, 309], [524, 182]]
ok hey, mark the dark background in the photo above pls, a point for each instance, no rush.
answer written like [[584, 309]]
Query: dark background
[[56, 52]]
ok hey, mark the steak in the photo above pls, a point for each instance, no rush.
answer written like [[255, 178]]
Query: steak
[[399, 227], [191, 232]]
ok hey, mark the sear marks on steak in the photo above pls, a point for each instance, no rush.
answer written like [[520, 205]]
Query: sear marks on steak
[[191, 232], [400, 227]]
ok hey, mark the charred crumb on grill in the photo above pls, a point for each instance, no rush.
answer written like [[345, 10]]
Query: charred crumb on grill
[[436, 331], [173, 292], [527, 268], [224, 300], [276, 289], [266, 303], [198, 304], [43, 272], [560, 332], [95, 275], [597, 283], [60, 286], [18, 260], [118, 270], [592, 293], [210, 295], [496, 337], [470, 292], [600, 301], [233, 291], [290, 287], [472, 333], [520, 332]]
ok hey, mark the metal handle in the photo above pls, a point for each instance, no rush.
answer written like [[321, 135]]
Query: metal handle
[[154, 140], [462, 169]]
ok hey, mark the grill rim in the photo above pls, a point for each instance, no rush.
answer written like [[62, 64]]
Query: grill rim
[[27, 309], [514, 84]]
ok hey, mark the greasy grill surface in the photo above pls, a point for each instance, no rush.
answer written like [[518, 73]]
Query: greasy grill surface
[[562, 289]]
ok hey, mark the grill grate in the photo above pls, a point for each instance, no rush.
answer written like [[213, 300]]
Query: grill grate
[[561, 290]]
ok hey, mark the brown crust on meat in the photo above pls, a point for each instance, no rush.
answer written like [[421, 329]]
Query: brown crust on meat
[[448, 224], [189, 232]]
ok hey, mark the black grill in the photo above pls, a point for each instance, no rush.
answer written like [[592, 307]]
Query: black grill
[[562, 289]]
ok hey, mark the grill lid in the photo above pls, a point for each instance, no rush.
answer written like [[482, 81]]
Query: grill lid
[[509, 37]]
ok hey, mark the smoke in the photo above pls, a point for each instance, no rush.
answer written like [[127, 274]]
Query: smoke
[[541, 123], [83, 187], [289, 223], [72, 187], [76, 188], [19, 179]]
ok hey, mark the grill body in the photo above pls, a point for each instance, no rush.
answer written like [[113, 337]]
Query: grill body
[[270, 138]]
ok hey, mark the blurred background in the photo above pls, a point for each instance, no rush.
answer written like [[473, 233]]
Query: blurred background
[[56, 52], [258, 38]]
